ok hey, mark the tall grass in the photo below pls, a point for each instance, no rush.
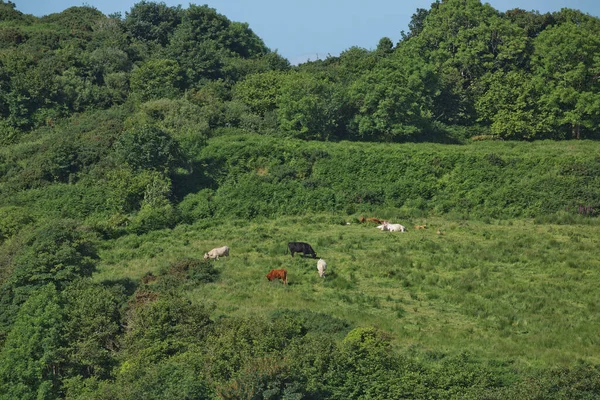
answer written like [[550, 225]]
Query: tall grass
[[521, 290]]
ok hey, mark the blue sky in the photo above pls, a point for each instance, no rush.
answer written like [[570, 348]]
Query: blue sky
[[311, 29]]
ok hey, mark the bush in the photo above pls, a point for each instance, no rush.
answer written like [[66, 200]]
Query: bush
[[12, 220], [148, 147], [193, 270], [196, 206], [153, 218]]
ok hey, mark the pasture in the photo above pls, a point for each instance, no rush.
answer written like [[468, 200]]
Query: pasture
[[519, 290]]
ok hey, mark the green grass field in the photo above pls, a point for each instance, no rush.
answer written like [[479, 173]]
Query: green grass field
[[516, 290]]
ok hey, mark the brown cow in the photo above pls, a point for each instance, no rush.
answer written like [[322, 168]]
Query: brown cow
[[374, 220], [278, 274], [420, 226]]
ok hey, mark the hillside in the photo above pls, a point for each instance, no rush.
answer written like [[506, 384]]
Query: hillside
[[132, 145]]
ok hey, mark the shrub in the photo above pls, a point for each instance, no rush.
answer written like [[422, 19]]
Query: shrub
[[12, 220], [148, 147], [194, 270], [153, 218], [196, 206]]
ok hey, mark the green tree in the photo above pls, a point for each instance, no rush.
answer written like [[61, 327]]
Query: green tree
[[462, 41], [385, 45], [9, 12], [148, 147], [152, 21], [160, 328], [567, 58], [532, 22], [12, 220], [156, 79], [310, 107], [511, 105], [56, 253], [91, 328], [260, 91], [394, 100], [206, 44], [31, 358]]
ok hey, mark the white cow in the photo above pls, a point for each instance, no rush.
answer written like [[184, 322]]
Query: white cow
[[217, 252], [321, 267], [392, 227], [396, 228]]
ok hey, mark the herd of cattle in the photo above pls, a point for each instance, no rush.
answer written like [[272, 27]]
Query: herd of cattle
[[307, 250]]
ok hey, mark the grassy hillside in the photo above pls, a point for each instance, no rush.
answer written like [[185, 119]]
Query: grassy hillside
[[507, 289], [131, 146], [500, 304]]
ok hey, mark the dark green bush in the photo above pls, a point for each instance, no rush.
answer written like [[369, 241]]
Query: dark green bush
[[148, 147]]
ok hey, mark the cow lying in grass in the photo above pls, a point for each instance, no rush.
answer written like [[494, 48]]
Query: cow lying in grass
[[386, 226], [374, 220], [278, 274]]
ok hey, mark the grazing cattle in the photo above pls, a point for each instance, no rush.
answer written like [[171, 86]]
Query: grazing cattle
[[217, 252], [301, 247], [278, 274], [321, 267], [420, 226]]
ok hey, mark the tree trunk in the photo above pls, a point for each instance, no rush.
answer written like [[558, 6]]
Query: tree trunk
[[576, 131]]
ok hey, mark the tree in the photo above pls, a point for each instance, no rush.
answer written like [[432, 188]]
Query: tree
[[511, 106], [310, 107], [9, 12], [56, 253], [260, 91], [417, 21], [385, 45], [156, 79], [532, 22], [162, 327], [206, 44], [394, 100], [91, 328], [31, 359], [154, 22], [463, 40], [567, 58], [148, 147]]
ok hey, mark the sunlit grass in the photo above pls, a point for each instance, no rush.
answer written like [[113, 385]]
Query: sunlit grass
[[500, 289]]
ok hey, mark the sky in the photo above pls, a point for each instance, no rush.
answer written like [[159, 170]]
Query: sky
[[312, 29]]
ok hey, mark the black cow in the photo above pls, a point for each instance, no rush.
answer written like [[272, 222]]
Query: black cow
[[301, 247]]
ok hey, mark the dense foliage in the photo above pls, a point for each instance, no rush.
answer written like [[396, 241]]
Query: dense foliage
[[116, 131]]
